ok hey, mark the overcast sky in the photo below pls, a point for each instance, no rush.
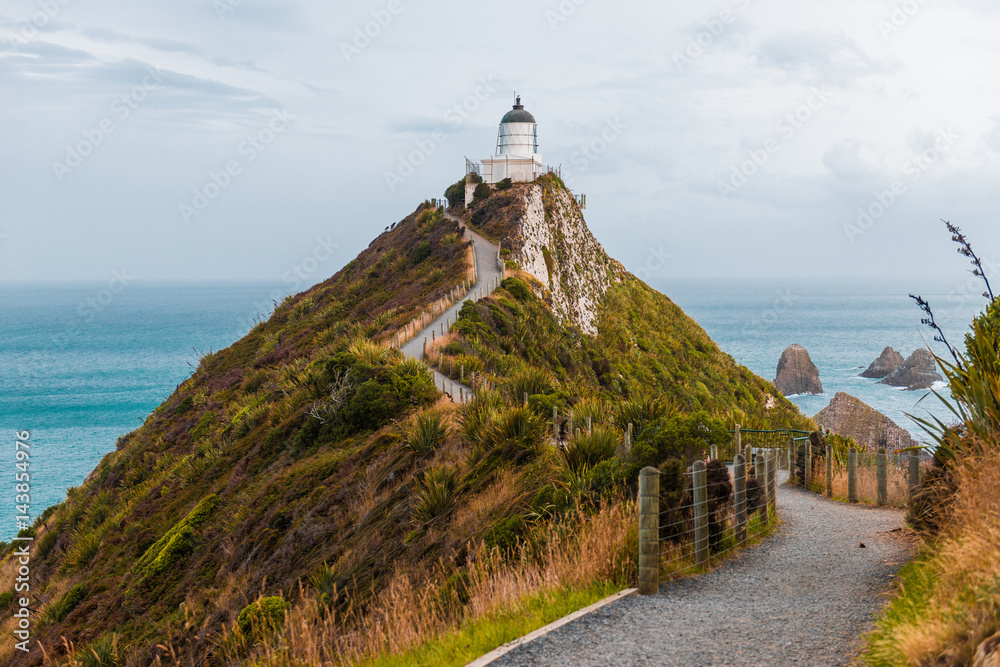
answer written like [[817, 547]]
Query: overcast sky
[[236, 139]]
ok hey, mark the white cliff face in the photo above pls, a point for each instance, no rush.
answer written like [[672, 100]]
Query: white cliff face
[[564, 256]]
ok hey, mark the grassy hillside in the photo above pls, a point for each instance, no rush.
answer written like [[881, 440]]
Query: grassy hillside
[[310, 469]]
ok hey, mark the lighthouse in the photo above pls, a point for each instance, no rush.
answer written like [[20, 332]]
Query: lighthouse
[[517, 156]]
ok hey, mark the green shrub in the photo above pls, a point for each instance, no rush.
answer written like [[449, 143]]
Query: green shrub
[[476, 416], [6, 598], [505, 534], [58, 612], [675, 499], [102, 652], [263, 617], [505, 184], [435, 493], [685, 437], [426, 432], [178, 541], [640, 411], [517, 289], [530, 381], [517, 430], [324, 581], [481, 193], [85, 548], [422, 252], [585, 450], [184, 406], [607, 477], [455, 194]]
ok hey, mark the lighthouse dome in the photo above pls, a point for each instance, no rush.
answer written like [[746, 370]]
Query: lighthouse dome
[[518, 135], [518, 114]]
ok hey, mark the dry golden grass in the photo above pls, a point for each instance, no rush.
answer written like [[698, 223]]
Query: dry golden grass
[[897, 488], [484, 507], [962, 578], [415, 609]]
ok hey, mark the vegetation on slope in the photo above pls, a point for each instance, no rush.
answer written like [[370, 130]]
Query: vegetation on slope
[[308, 495], [947, 610]]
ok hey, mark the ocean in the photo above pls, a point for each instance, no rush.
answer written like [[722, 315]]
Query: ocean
[[85, 364], [843, 324]]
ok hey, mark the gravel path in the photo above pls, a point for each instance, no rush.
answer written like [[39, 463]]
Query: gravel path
[[486, 260], [803, 597]]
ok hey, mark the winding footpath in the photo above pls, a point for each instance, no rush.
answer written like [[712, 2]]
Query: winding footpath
[[488, 273], [803, 597]]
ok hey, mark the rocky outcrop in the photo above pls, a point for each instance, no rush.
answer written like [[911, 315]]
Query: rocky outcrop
[[919, 371], [797, 374], [886, 363], [850, 417], [558, 249]]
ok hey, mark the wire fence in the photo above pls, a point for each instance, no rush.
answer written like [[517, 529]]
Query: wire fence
[[689, 517], [879, 477]]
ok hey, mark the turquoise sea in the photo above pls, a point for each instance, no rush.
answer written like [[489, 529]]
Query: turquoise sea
[[843, 324], [82, 365]]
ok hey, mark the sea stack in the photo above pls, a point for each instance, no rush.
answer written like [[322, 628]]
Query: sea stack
[[797, 374], [850, 417], [917, 372], [886, 363]]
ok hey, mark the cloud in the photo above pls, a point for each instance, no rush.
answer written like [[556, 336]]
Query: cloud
[[820, 57]]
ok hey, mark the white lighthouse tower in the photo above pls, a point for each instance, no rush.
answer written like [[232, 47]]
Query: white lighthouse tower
[[517, 155]]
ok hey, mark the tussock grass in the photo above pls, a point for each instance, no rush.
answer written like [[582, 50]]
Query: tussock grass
[[949, 597], [586, 558]]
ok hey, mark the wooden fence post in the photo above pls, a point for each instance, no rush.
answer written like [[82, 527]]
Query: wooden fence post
[[700, 491], [829, 471], [807, 465], [737, 442], [713, 453], [883, 478], [914, 472], [791, 458], [852, 475], [590, 426], [555, 423], [774, 478], [748, 455], [770, 461], [649, 531], [628, 437], [740, 497], [760, 472]]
